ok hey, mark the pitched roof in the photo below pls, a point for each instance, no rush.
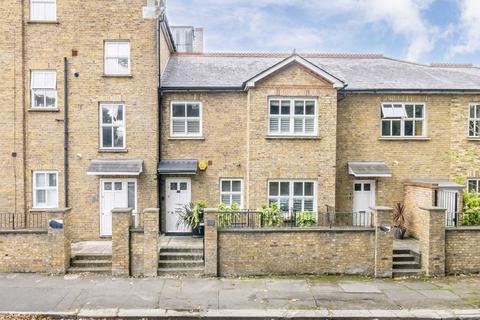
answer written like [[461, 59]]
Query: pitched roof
[[360, 72]]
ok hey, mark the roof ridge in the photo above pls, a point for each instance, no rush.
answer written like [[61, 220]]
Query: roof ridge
[[282, 55], [452, 65]]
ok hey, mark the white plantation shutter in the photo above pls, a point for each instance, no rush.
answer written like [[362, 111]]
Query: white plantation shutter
[[179, 126], [237, 198], [292, 116], [309, 125], [285, 125], [193, 126], [186, 119], [274, 124], [298, 125]]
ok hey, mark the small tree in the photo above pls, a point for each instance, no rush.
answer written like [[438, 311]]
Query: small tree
[[471, 208]]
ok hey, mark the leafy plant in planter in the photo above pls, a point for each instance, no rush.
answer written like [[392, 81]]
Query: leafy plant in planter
[[305, 219], [270, 215], [399, 221], [192, 217], [227, 214], [471, 209]]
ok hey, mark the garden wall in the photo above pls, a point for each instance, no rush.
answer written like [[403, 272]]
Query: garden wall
[[296, 251], [462, 250]]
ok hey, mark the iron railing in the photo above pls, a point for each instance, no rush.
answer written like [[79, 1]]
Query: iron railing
[[348, 218], [18, 221]]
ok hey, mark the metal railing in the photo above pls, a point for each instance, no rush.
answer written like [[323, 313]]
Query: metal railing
[[348, 219], [19, 221]]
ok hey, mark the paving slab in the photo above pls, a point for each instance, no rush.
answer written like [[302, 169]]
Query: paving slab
[[439, 294], [359, 287]]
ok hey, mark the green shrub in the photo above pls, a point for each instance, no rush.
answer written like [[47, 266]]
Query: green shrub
[[192, 214], [471, 209], [270, 215], [227, 214], [305, 219]]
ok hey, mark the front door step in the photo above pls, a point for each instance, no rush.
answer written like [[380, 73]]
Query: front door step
[[406, 263], [91, 263], [181, 261]]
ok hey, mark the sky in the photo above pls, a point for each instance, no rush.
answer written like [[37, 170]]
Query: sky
[[423, 31]]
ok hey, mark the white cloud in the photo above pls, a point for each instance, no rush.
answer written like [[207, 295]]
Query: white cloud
[[469, 28]]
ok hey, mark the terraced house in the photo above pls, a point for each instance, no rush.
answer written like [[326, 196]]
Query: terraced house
[[107, 106]]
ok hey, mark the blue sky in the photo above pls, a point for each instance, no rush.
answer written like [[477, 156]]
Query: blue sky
[[422, 31]]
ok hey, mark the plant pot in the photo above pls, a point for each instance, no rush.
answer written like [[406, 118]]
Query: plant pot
[[398, 233], [199, 231]]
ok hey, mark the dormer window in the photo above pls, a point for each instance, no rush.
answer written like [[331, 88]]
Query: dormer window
[[403, 120]]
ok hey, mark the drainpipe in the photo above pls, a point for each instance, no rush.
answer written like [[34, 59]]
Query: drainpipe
[[65, 129], [159, 110]]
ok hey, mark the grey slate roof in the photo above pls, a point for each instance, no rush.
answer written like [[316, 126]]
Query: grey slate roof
[[370, 72], [115, 167], [185, 166], [369, 169]]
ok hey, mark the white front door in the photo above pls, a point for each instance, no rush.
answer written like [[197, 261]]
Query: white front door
[[363, 199], [179, 194], [118, 193]]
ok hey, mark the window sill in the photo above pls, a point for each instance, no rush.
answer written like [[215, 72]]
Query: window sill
[[42, 209], [113, 150], [186, 138], [405, 138], [43, 22], [117, 76], [270, 137], [43, 110], [473, 138]]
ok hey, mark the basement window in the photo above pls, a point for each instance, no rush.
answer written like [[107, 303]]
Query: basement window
[[44, 89], [43, 10], [403, 120]]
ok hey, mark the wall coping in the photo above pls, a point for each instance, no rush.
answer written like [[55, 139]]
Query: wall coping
[[432, 208], [52, 210], [426, 185], [381, 208], [463, 228], [151, 210], [122, 210], [286, 230], [24, 231]]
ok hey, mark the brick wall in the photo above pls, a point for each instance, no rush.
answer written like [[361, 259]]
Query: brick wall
[[416, 196], [462, 252], [297, 251], [24, 251], [136, 252]]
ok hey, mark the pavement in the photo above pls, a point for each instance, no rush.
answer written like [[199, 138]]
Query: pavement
[[86, 296]]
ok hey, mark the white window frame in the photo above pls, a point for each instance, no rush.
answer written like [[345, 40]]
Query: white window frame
[[400, 114], [231, 193], [117, 57], [291, 195], [44, 16], [46, 188], [112, 126], [186, 134], [291, 116], [477, 181], [33, 89], [475, 119]]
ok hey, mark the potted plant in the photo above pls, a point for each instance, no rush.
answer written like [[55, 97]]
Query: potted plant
[[192, 216], [399, 221]]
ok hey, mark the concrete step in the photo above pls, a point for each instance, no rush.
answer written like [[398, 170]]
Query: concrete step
[[406, 265], [403, 257], [401, 251], [91, 263], [180, 264], [92, 256], [180, 271], [90, 270], [181, 249], [181, 255], [406, 272]]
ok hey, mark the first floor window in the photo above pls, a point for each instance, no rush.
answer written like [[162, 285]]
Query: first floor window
[[43, 10], [231, 192], [186, 119], [45, 189], [403, 120], [44, 89], [292, 195], [474, 121], [292, 116], [112, 126], [473, 185], [117, 57]]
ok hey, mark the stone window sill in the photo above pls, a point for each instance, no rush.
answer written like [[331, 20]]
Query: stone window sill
[[473, 138], [117, 76], [43, 22], [113, 150], [405, 138], [186, 138], [270, 137], [43, 110]]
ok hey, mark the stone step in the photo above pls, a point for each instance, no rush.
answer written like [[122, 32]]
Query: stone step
[[181, 256], [406, 272], [91, 263], [180, 264], [92, 256], [181, 249], [406, 265], [90, 270], [403, 257], [401, 251], [180, 271]]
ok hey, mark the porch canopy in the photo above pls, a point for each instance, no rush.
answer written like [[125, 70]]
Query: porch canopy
[[178, 166], [369, 169], [112, 167]]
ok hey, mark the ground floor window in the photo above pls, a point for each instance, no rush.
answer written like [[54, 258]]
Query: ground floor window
[[474, 185], [231, 192], [45, 189], [292, 194]]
